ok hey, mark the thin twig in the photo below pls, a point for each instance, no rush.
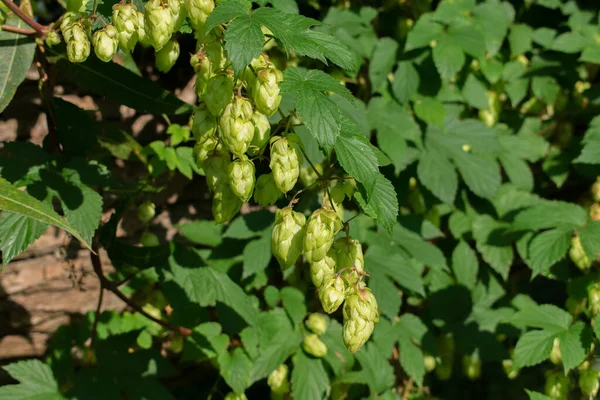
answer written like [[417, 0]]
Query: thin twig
[[22, 31], [407, 389], [95, 326], [26, 18]]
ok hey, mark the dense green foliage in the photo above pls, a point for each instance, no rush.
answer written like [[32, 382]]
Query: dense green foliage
[[425, 171]]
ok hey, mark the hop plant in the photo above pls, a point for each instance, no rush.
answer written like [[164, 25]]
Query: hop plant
[[278, 382], [198, 11], [596, 190], [262, 132], [265, 90], [126, 21], [332, 293], [219, 93], [308, 176], [266, 192], [287, 236], [314, 346], [146, 212], [320, 269], [285, 162], [555, 355], [68, 22], [236, 126], [203, 124], [105, 43], [317, 323], [256, 64], [204, 147], [594, 299], [241, 178], [158, 23], [361, 304], [577, 254], [167, 56], [78, 46], [349, 258], [322, 226], [216, 52]]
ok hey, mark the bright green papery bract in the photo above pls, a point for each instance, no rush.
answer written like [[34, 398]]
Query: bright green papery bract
[[158, 23], [125, 19], [167, 56], [216, 53], [332, 293], [317, 323], [287, 237], [266, 192], [52, 39], [105, 43], [78, 47], [198, 11], [262, 132], [278, 380], [265, 90], [241, 178], [356, 332], [68, 22], [322, 226], [204, 147], [179, 13], [322, 268], [225, 204], [285, 163], [236, 126], [577, 254], [314, 346], [203, 123], [219, 92], [594, 299]]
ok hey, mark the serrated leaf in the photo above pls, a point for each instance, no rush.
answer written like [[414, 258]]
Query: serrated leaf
[[376, 368], [309, 378], [389, 119], [469, 38], [465, 265], [420, 249], [412, 360], [379, 260], [480, 173], [550, 214], [475, 93], [574, 345], [294, 304], [244, 41], [569, 42], [520, 38], [448, 57], [518, 171], [494, 250], [83, 214], [257, 255], [590, 239], [339, 358], [235, 368], [547, 248], [358, 159], [545, 88], [274, 355], [545, 316], [493, 22], [438, 175], [422, 33], [406, 81], [382, 62], [17, 232], [36, 381], [383, 203], [207, 233], [431, 111], [226, 11], [537, 396], [533, 347]]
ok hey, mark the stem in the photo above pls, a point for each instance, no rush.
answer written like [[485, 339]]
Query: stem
[[407, 389], [23, 31], [310, 162], [95, 7], [95, 326], [39, 28]]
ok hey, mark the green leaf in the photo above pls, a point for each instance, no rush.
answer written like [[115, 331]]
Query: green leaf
[[244, 41], [406, 81], [550, 214], [545, 316], [277, 351], [383, 203], [448, 57], [537, 396], [226, 11], [382, 62], [465, 265], [591, 54], [475, 93], [257, 255], [438, 175], [518, 171], [294, 304], [420, 249], [574, 345], [17, 232], [569, 42], [545, 88], [412, 360], [430, 110], [358, 159], [469, 38], [206, 233], [493, 22], [480, 173], [547, 248], [18, 202], [422, 33], [390, 119], [235, 368], [390, 262], [309, 378], [533, 348], [494, 250], [36, 381], [16, 54], [520, 38], [590, 239], [544, 36], [376, 368]]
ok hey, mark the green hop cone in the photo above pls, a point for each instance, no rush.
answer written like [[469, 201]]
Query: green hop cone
[[235, 396], [225, 204], [509, 368], [68, 22], [146, 211], [430, 362], [287, 236], [349, 258], [203, 70], [149, 239], [78, 47], [219, 93], [203, 123], [577, 254], [594, 299], [361, 304], [322, 268], [596, 191], [588, 382], [332, 293], [198, 11], [317, 323], [126, 21], [265, 90], [216, 168], [178, 12], [142, 36], [167, 56], [256, 64], [285, 162], [52, 39], [266, 192], [555, 354], [158, 23], [472, 367], [105, 43], [204, 147], [262, 133], [241, 178], [322, 226], [278, 382], [446, 348], [314, 346], [557, 386], [356, 332], [236, 126]]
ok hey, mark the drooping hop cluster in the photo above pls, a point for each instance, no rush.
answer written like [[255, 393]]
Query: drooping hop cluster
[[360, 315], [126, 22], [75, 30]]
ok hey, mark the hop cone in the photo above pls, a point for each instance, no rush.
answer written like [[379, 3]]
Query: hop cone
[[332, 293], [262, 132], [259, 63], [216, 53], [219, 92], [278, 381], [236, 126], [356, 333], [265, 90], [167, 56], [203, 123], [241, 178], [361, 305], [125, 19], [287, 236], [285, 163], [68, 22], [472, 367], [203, 73], [52, 39], [178, 12], [314, 346], [588, 382], [158, 23], [320, 269], [557, 386], [594, 299], [225, 204], [78, 47], [204, 147], [146, 211], [348, 254], [216, 167], [320, 230], [105, 43], [266, 192], [198, 11], [317, 323]]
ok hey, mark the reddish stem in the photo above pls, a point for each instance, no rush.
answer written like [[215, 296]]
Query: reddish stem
[[22, 31], [26, 18]]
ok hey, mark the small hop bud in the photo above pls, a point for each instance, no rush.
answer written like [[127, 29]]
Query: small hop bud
[[361, 304], [266, 192], [317, 323], [142, 36], [287, 236], [472, 367], [225, 204], [596, 191], [158, 23], [262, 132], [146, 211], [555, 354], [265, 90], [285, 162], [588, 382], [509, 369], [322, 226], [594, 299], [236, 126], [557, 386], [430, 362], [332, 293], [126, 21], [278, 380], [356, 332], [578, 255], [219, 92], [204, 147], [52, 39], [198, 11], [241, 178], [78, 47], [235, 396], [320, 269], [349, 258], [314, 346], [203, 123], [105, 43], [167, 56]]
